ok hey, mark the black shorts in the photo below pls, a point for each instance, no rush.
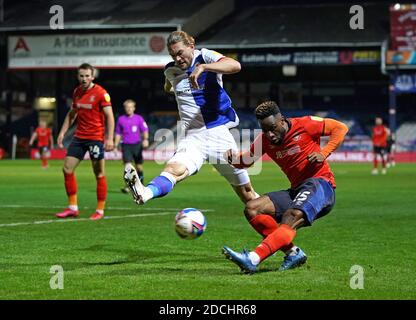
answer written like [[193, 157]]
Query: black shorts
[[132, 152], [379, 150], [79, 147], [389, 146], [43, 150], [315, 197]]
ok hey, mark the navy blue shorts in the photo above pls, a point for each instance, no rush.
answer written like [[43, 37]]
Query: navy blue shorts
[[315, 197], [79, 147]]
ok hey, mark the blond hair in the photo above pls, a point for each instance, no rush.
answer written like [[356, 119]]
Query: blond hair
[[180, 36], [129, 101]]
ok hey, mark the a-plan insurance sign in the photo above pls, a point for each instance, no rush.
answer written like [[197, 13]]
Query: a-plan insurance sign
[[115, 50]]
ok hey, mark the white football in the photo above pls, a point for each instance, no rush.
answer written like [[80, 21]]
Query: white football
[[190, 223]]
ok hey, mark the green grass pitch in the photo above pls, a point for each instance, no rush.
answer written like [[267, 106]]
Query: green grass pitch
[[135, 253]]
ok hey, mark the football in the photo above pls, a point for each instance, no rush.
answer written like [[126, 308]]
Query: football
[[190, 223]]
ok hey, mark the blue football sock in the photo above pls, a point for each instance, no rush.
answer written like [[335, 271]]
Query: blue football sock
[[161, 185]]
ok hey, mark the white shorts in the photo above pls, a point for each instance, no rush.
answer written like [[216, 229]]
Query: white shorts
[[210, 145]]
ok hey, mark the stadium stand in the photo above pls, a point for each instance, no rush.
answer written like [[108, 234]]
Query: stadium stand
[[286, 25]]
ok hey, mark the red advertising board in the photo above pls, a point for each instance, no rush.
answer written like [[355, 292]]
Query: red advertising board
[[162, 156]]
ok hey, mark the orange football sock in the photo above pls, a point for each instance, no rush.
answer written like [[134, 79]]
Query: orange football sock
[[71, 188], [264, 224], [44, 162], [72, 200], [279, 238], [101, 193]]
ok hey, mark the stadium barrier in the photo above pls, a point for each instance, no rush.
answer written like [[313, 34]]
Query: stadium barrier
[[162, 156]]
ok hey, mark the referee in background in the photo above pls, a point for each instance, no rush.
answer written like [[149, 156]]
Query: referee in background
[[133, 132]]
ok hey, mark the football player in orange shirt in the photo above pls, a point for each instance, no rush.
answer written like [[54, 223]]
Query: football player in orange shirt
[[91, 106], [45, 141], [379, 137], [294, 145]]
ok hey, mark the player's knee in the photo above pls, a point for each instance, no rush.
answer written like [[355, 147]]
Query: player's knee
[[251, 210], [99, 175], [177, 170], [67, 169], [293, 218]]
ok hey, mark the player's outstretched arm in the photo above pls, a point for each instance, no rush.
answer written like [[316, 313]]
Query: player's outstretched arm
[[168, 86], [246, 159], [224, 66], [336, 131], [239, 160], [70, 116], [109, 116]]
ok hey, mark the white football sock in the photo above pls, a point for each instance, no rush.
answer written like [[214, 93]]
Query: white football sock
[[147, 194], [292, 251], [254, 257], [73, 207], [168, 176]]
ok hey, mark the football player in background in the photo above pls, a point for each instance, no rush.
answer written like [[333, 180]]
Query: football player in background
[[91, 105], [380, 134], [45, 141], [294, 145]]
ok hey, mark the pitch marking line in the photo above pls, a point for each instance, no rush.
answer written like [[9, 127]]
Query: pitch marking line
[[84, 208], [57, 220]]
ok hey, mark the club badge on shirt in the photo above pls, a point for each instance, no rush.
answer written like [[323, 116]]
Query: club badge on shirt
[[107, 97]]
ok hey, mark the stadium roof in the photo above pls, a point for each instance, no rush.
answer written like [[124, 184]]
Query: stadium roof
[[298, 26], [98, 14], [252, 24]]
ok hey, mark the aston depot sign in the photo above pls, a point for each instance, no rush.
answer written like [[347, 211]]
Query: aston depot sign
[[344, 57], [128, 50]]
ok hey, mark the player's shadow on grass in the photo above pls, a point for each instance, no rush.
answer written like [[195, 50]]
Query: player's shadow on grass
[[153, 262]]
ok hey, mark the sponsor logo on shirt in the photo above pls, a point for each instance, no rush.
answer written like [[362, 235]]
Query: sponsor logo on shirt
[[84, 105], [288, 152], [317, 118]]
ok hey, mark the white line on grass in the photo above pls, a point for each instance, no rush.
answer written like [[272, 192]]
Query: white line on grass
[[83, 219], [15, 224], [108, 208]]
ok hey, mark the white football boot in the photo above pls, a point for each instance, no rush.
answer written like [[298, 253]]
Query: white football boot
[[133, 182]]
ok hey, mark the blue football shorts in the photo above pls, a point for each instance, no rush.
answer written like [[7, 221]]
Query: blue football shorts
[[315, 197]]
